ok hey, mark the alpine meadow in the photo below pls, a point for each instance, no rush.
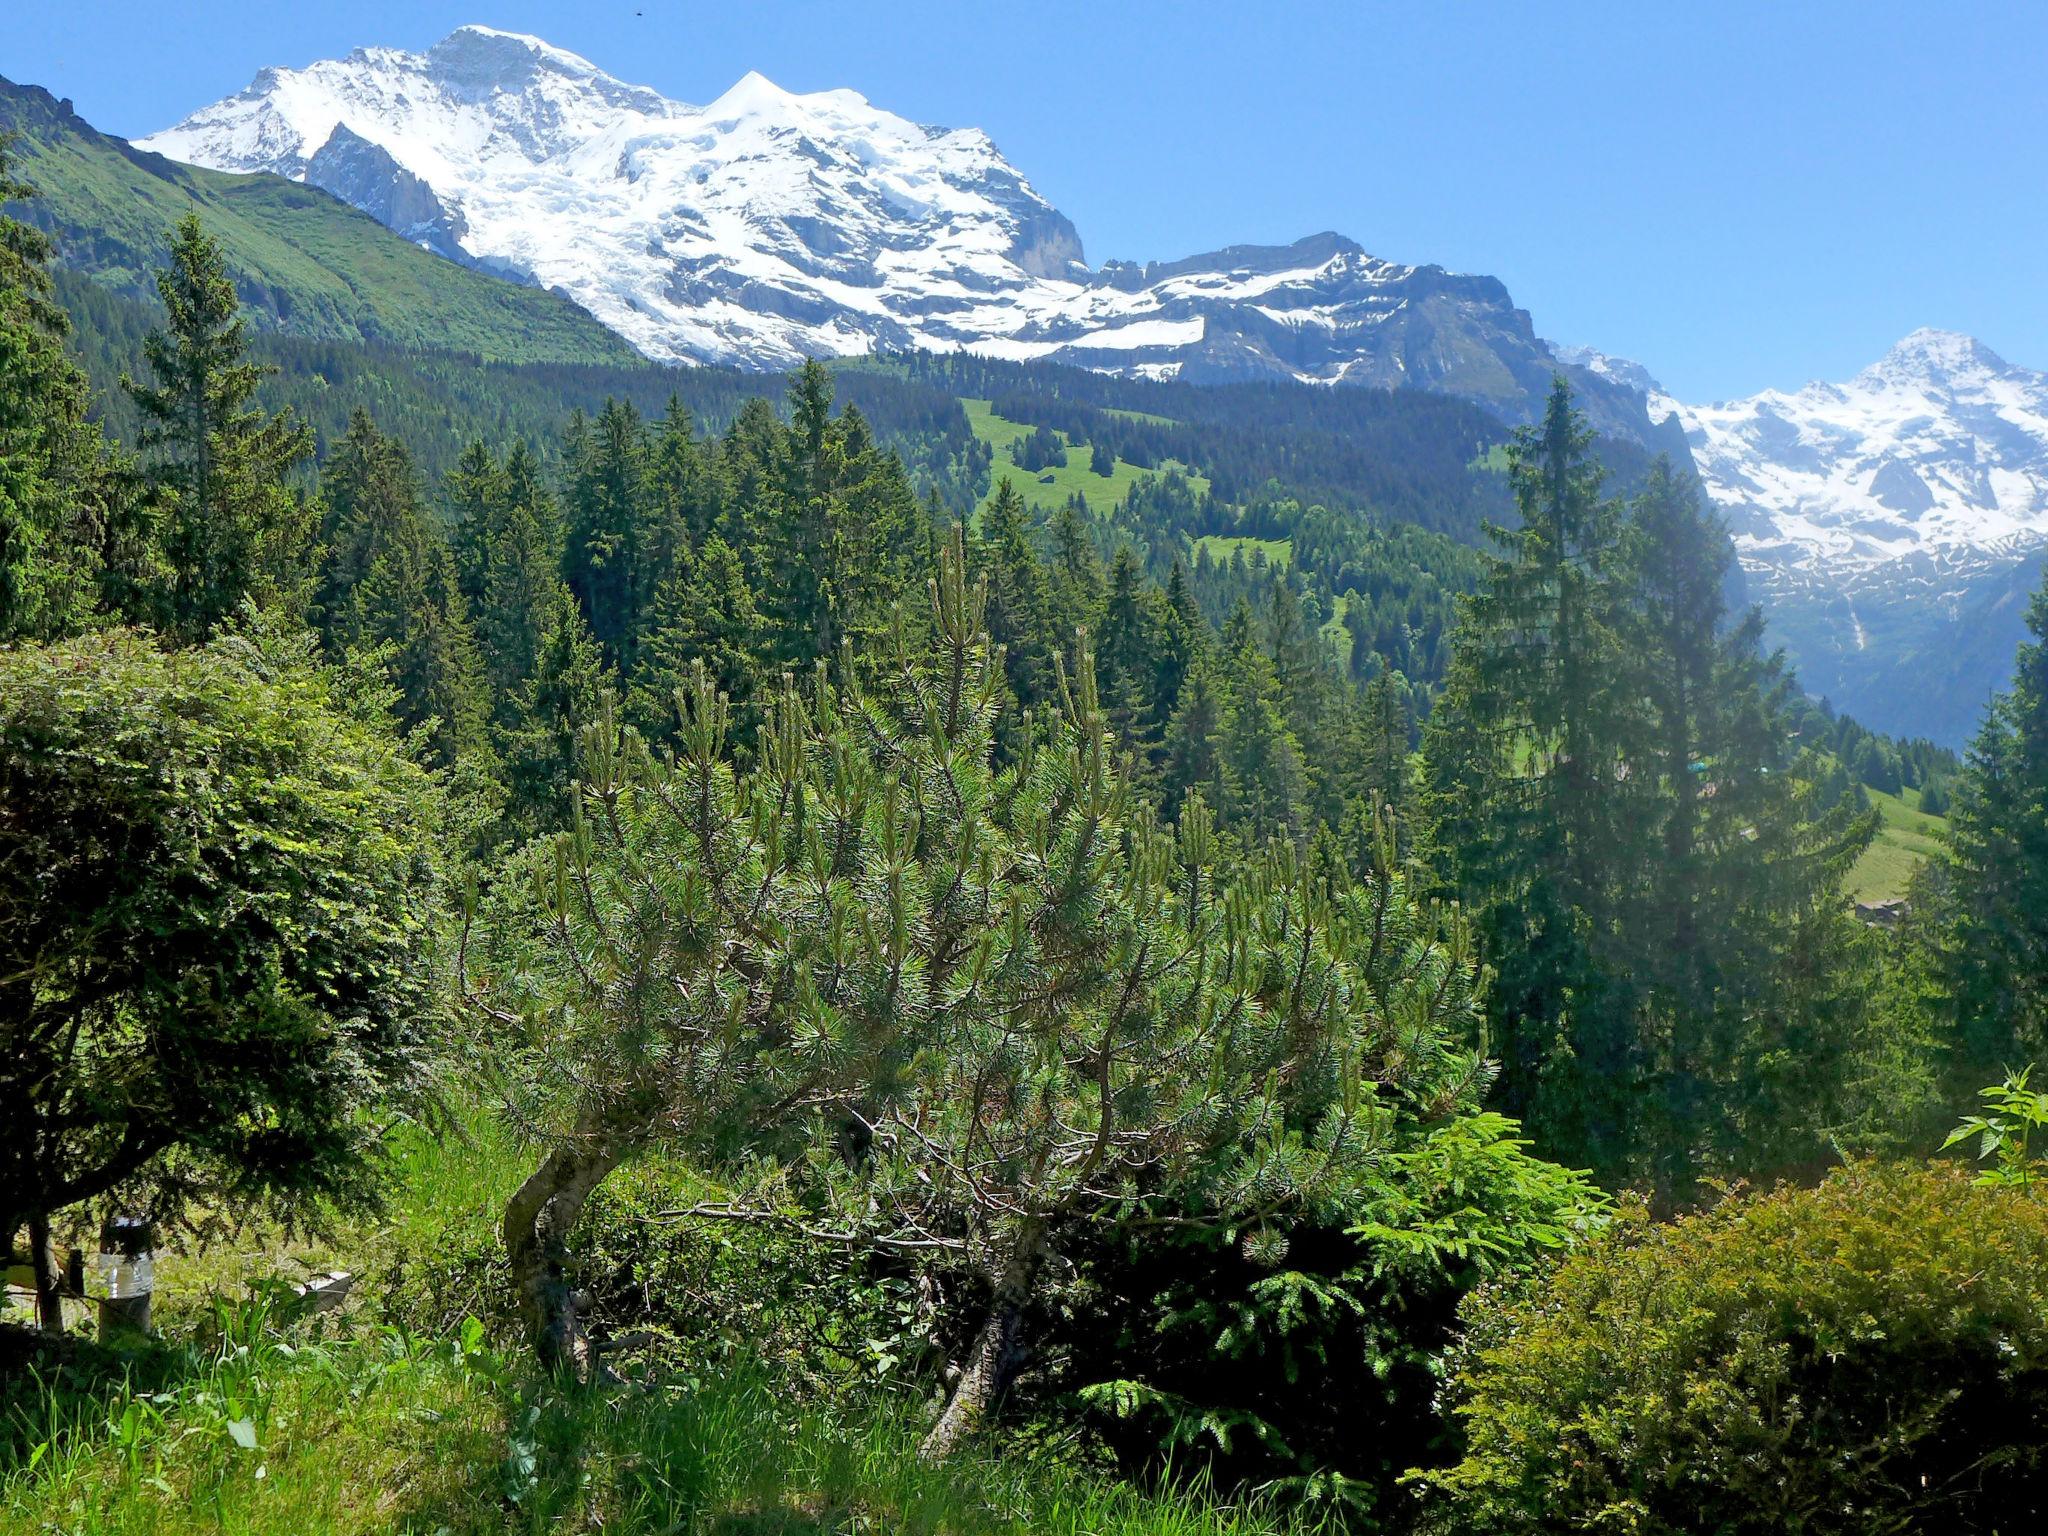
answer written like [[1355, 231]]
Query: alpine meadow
[[698, 837]]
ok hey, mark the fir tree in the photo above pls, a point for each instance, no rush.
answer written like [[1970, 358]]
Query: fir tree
[[1991, 886], [704, 615], [69, 537], [233, 529]]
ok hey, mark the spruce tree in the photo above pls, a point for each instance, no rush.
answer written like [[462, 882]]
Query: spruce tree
[[1127, 664], [388, 589], [704, 616], [1522, 775], [1019, 618], [233, 528], [567, 692], [607, 528], [1991, 886], [68, 535]]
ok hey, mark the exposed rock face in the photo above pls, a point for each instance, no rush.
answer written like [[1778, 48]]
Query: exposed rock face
[[359, 172]]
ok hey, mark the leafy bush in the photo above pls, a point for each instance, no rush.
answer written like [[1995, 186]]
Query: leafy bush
[[1867, 1356], [219, 900], [1314, 1370]]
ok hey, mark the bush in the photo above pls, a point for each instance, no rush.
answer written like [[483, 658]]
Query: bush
[[1870, 1355], [219, 901]]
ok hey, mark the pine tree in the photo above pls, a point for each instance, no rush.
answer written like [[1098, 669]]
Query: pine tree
[[233, 527]]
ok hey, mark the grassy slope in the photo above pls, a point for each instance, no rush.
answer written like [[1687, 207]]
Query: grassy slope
[[355, 1426], [1906, 837], [1221, 545], [1051, 488], [306, 264]]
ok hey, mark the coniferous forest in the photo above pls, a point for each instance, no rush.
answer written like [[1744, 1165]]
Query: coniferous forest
[[819, 980]]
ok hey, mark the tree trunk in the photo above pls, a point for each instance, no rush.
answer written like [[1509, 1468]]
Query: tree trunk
[[49, 1300], [538, 1220], [993, 1358]]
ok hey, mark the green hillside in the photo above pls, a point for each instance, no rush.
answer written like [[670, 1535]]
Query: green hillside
[[305, 263], [1053, 487], [1906, 837]]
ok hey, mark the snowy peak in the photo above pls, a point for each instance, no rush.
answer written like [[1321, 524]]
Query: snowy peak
[[1936, 362], [1939, 447], [768, 226], [1887, 521]]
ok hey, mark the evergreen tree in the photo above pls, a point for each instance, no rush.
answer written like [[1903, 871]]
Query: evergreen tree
[[233, 529], [1259, 758], [1075, 584], [388, 587], [518, 580], [1377, 760], [704, 615], [476, 497], [607, 528], [1127, 663], [568, 691], [68, 536], [1018, 616], [1990, 889], [1192, 753], [1521, 766]]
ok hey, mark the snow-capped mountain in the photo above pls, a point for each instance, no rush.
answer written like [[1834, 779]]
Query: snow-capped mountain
[[767, 226], [1891, 525]]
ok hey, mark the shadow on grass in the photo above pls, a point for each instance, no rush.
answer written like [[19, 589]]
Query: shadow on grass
[[729, 1456], [54, 1387]]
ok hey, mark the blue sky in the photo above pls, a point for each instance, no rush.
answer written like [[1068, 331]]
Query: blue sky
[[1738, 195]]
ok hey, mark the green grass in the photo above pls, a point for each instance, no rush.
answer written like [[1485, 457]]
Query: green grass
[[1051, 488], [1906, 837], [1335, 635], [305, 263], [1221, 545], [401, 1414]]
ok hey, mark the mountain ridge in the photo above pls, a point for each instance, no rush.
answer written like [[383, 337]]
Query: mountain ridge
[[767, 226], [304, 262], [1892, 523]]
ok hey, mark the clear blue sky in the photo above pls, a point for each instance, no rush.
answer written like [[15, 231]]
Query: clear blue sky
[[1738, 195]]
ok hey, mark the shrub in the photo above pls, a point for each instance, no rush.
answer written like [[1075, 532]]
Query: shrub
[[1869, 1355], [219, 898]]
